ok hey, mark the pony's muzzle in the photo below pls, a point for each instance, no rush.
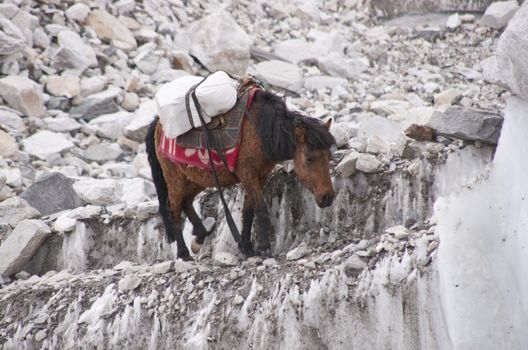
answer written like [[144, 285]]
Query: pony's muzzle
[[195, 246], [325, 200]]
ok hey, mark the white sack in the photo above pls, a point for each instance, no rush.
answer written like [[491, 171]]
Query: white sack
[[216, 95]]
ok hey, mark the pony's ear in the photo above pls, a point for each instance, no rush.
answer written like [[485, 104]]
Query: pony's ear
[[328, 123], [300, 136]]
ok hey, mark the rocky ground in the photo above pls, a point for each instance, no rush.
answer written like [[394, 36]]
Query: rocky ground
[[410, 97]]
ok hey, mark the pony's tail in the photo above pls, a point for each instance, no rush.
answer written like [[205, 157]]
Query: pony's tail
[[159, 182]]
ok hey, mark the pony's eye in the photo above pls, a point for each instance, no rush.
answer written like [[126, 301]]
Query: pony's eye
[[310, 159]]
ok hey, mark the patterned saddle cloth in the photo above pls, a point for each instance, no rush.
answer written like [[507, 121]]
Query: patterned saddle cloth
[[225, 130]]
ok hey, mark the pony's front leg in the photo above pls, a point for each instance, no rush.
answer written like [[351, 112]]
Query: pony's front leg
[[248, 214]]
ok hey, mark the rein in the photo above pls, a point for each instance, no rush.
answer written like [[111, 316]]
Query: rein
[[229, 218]]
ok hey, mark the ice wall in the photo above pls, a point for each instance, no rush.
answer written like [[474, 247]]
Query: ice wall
[[483, 257]]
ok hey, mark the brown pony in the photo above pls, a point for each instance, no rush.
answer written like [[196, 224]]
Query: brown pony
[[271, 135]]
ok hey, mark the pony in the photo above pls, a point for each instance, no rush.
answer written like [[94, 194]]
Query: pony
[[271, 133]]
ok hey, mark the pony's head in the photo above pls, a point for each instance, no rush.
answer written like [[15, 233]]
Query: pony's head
[[311, 162], [287, 134]]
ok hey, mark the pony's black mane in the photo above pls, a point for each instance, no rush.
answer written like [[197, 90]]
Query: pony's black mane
[[276, 127]]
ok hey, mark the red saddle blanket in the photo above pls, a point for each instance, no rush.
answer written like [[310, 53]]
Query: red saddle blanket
[[189, 149]]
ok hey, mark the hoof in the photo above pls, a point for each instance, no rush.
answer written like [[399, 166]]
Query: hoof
[[247, 250], [195, 246], [185, 257]]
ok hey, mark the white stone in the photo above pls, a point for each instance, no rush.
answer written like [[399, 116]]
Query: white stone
[[129, 282], [219, 43], [295, 50], [68, 85], [20, 246], [8, 145], [237, 300], [95, 191], [225, 259], [347, 166], [339, 66], [399, 232], [368, 163], [453, 21], [446, 97], [132, 191], [62, 124], [93, 85], [376, 145], [73, 53], [108, 27], [64, 223], [22, 94], [299, 252], [15, 209], [147, 209], [512, 50], [280, 74], [77, 12], [163, 267], [113, 125], [388, 107], [102, 152], [45, 143], [499, 13], [324, 82], [137, 128], [130, 101], [270, 262], [343, 132]]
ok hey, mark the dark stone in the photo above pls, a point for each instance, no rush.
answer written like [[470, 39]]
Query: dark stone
[[419, 132], [51, 193], [468, 124], [60, 103], [94, 107]]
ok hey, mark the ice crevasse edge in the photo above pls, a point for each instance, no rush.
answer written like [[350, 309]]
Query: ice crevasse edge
[[483, 255]]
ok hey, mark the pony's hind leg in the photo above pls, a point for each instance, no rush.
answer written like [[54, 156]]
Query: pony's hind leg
[[199, 230], [176, 188], [248, 214]]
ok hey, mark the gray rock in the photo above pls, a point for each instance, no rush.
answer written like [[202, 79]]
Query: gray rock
[[11, 121], [163, 267], [22, 94], [41, 39], [499, 13], [62, 124], [8, 10], [12, 39], [21, 245], [347, 166], [512, 50], [110, 28], [45, 143], [137, 128], [73, 53], [468, 124], [41, 335], [354, 265], [299, 252], [281, 74], [129, 282], [368, 163], [97, 104], [209, 45], [51, 193], [98, 192], [102, 152], [8, 145], [15, 209], [113, 125], [77, 12], [399, 232], [339, 66], [323, 82]]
